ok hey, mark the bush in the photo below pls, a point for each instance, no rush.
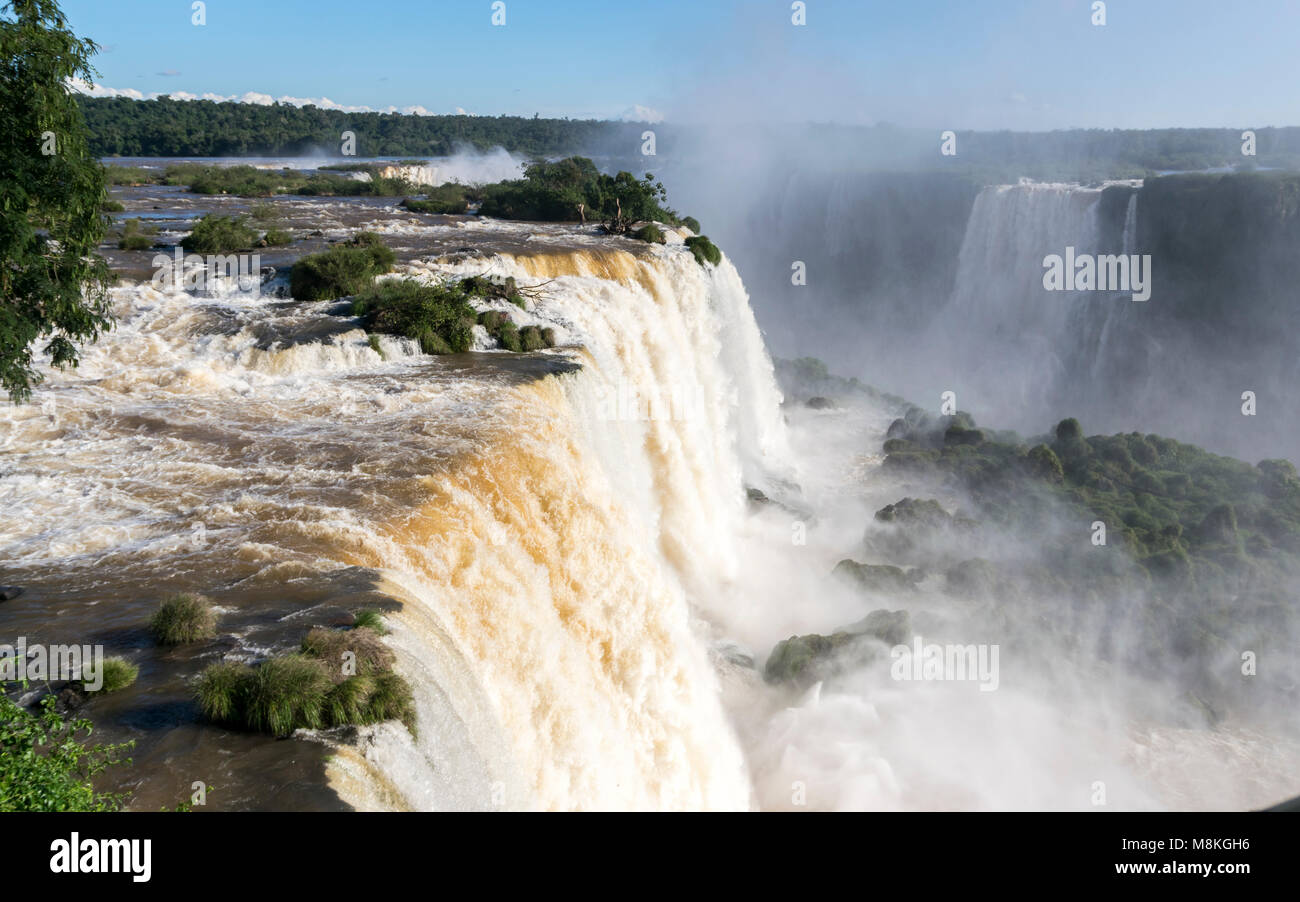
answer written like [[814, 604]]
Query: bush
[[531, 339], [112, 206], [445, 199], [136, 236], [118, 673], [277, 238], [691, 223], [439, 317], [182, 619], [45, 765], [359, 645], [220, 235], [650, 233], [343, 270], [287, 693], [704, 250], [222, 691]]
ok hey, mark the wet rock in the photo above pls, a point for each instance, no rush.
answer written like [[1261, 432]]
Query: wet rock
[[820, 403], [801, 661], [878, 577], [9, 593]]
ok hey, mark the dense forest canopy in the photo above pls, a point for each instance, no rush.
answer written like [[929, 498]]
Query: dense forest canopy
[[204, 128]]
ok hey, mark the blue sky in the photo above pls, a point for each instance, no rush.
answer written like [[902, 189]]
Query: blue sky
[[1020, 64]]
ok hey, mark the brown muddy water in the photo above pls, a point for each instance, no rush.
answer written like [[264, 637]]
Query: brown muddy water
[[242, 450]]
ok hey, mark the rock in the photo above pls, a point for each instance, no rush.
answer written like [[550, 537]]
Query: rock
[[9, 593], [804, 660], [973, 578], [926, 513], [878, 577], [890, 627], [734, 653], [820, 403], [756, 496]]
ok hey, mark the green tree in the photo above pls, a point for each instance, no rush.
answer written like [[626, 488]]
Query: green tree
[[52, 284]]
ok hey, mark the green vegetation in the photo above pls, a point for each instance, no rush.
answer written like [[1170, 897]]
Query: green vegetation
[[51, 194], [118, 674], [704, 250], [136, 236], [202, 128], [439, 317], [448, 199], [369, 618], [215, 234], [276, 237], [182, 619], [650, 233], [339, 677], [112, 206], [573, 190], [250, 181], [345, 269], [48, 764]]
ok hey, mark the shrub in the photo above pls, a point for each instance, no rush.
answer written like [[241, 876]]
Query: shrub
[[47, 763], [704, 250], [691, 223], [222, 691], [112, 206], [277, 238], [439, 317], [118, 673], [508, 337], [220, 235], [136, 236], [445, 199], [286, 694], [650, 233], [182, 619], [344, 269], [531, 339]]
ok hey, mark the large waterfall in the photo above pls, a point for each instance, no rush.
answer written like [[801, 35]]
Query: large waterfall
[[549, 535]]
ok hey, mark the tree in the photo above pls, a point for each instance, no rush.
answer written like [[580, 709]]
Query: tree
[[52, 284]]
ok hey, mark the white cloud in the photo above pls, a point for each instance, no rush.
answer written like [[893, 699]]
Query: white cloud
[[251, 97], [639, 113]]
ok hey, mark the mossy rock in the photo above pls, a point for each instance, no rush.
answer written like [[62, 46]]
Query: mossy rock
[[878, 577]]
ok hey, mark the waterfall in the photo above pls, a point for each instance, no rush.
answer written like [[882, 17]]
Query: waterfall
[[1130, 224], [552, 538]]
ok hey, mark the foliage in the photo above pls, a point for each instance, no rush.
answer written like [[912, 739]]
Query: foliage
[[118, 673], [310, 689], [447, 199], [345, 269], [215, 234], [182, 619], [51, 284], [704, 250], [202, 128], [439, 317], [650, 233], [136, 236], [48, 764], [572, 189]]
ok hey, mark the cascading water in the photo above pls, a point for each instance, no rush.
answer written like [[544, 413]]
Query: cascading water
[[547, 536]]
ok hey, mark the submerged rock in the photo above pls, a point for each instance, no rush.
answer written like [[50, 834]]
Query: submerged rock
[[820, 403], [9, 593]]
